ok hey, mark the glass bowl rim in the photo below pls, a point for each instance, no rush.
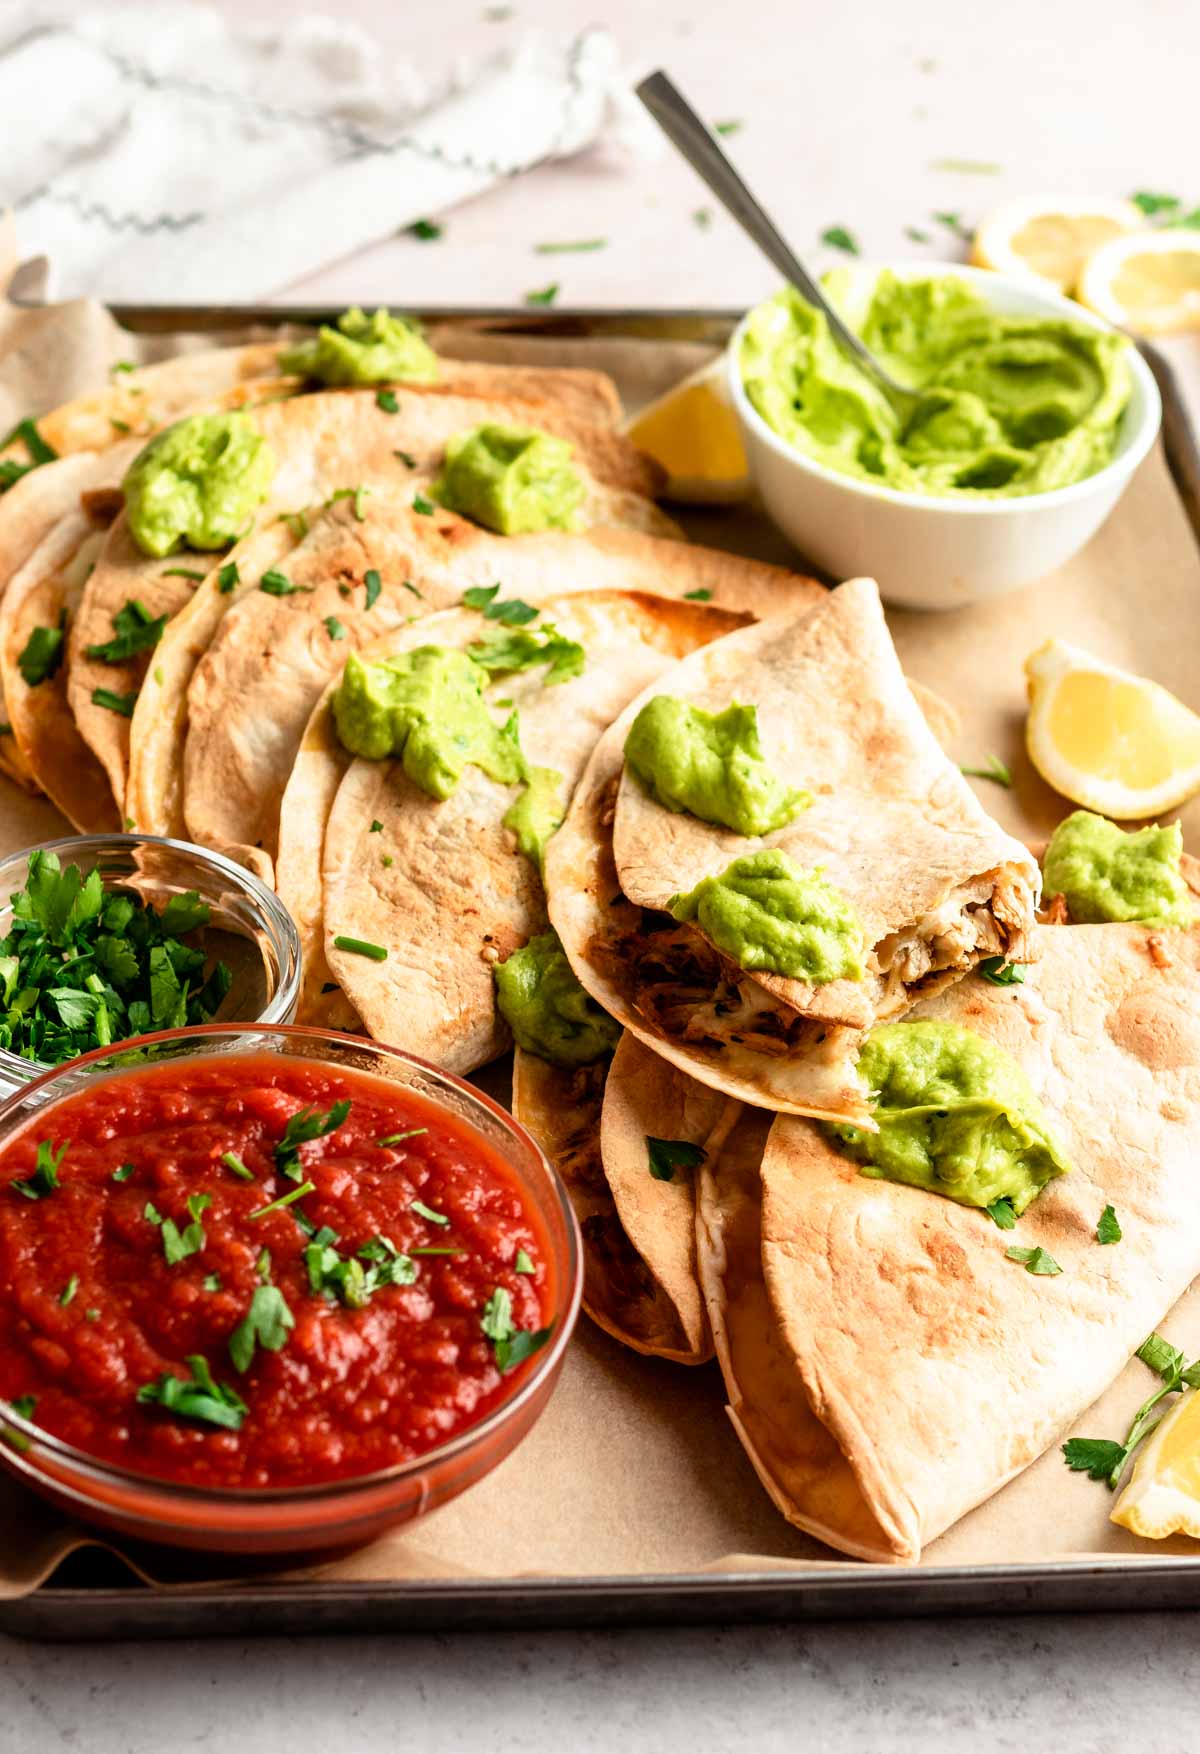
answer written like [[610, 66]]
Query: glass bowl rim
[[82, 1465], [275, 917]]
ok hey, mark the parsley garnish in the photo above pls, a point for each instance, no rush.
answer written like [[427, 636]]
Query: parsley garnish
[[668, 1155], [726, 127], [425, 230], [121, 365], [571, 249], [407, 458], [302, 1128], [510, 613], [523, 1262], [119, 425], [1108, 1227], [41, 655], [701, 596], [334, 628], [1001, 1213], [197, 1396], [123, 1173], [44, 1179], [953, 222], [67, 1294], [235, 1166], [395, 1138], [915, 233], [345, 1278], [427, 1212], [376, 826], [386, 399], [422, 505], [180, 572], [179, 1244], [545, 295], [228, 577], [1150, 204], [116, 703], [267, 1323], [510, 1345], [26, 433], [278, 1205], [1100, 1458], [360, 947], [408, 585], [135, 630], [374, 584], [1034, 1260], [702, 216], [496, 1320], [993, 769], [838, 238], [212, 1281], [525, 647], [277, 584], [1001, 973]]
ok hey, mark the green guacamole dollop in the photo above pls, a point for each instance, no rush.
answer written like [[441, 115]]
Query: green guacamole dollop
[[956, 1115], [511, 479], [766, 913], [198, 483], [1010, 404], [426, 708], [710, 765], [1104, 873], [547, 1010], [379, 349]]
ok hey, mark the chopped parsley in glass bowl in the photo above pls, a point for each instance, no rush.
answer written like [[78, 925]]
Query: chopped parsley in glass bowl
[[104, 938]]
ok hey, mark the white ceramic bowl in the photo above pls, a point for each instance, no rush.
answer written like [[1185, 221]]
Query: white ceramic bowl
[[929, 553]]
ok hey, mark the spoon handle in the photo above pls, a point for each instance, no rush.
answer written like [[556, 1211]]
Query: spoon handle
[[696, 142]]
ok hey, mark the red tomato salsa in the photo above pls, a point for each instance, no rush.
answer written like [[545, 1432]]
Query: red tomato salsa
[[256, 1271]]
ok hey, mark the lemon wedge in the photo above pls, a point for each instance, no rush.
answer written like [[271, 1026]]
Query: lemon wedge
[[693, 432], [1046, 239], [1148, 282], [1163, 1494], [1107, 739]]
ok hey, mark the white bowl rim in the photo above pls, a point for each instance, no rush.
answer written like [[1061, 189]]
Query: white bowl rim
[[1054, 304]]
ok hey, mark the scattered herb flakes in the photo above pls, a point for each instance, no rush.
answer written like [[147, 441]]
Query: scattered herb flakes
[[121, 365], [277, 584], [423, 506], [1001, 1213], [582, 247], [966, 167], [395, 1138], [702, 217], [302, 1128], [212, 1281], [284, 1200], [387, 861], [407, 585], [407, 458], [667, 1155], [993, 769], [196, 1397], [25, 432], [523, 1262], [67, 1294], [228, 577], [334, 628], [954, 222], [179, 1244], [267, 1323], [544, 295], [376, 826], [181, 572], [24, 1406], [374, 585], [115, 703], [44, 1179], [999, 973], [727, 128], [1153, 205], [497, 14], [916, 235], [91, 1315], [356, 495], [424, 230], [524, 648], [360, 947], [427, 1212], [430, 1250], [123, 1173], [121, 426], [701, 596], [386, 399], [1108, 1227], [1034, 1260], [297, 523], [41, 655], [510, 613], [235, 1166], [838, 238], [134, 629]]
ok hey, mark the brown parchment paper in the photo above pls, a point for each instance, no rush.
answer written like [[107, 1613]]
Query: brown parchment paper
[[634, 1469]]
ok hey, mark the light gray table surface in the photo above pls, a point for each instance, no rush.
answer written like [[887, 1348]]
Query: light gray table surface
[[848, 111]]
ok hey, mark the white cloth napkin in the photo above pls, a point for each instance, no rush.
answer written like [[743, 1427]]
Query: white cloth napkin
[[156, 156]]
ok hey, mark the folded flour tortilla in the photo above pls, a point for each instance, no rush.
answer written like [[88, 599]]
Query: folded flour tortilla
[[935, 883], [639, 1234], [937, 1367], [323, 443]]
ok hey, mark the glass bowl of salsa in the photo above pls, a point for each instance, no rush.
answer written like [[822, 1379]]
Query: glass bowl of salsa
[[271, 1289], [108, 936]]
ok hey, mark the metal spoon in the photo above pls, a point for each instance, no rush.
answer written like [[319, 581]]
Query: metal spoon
[[697, 143]]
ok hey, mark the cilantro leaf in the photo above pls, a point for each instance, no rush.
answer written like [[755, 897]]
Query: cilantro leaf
[[999, 973], [41, 655], [1034, 1260], [386, 399], [302, 1128], [545, 295], [520, 1346], [116, 703], [277, 584], [838, 238], [524, 648], [334, 628], [374, 585], [701, 596], [1151, 204], [179, 1244], [1108, 1226], [668, 1155], [267, 1323], [1001, 1213], [44, 1179], [425, 231], [228, 577], [134, 630], [523, 1262], [196, 1397]]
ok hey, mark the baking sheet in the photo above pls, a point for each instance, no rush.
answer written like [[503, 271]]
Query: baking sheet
[[632, 1496]]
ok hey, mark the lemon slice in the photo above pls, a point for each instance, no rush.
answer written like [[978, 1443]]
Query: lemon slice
[[1111, 741], [1163, 1494], [1045, 240], [693, 432], [1149, 282]]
